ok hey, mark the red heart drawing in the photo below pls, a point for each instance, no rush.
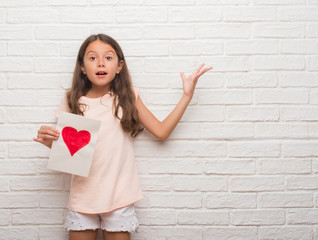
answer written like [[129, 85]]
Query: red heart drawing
[[75, 140]]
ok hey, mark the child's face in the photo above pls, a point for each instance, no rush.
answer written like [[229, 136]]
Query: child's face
[[101, 64]]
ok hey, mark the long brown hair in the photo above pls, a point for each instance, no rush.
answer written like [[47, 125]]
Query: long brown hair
[[121, 87]]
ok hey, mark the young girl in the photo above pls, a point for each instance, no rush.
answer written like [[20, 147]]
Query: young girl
[[102, 89]]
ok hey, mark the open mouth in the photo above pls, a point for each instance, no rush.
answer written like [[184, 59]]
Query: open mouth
[[101, 73]]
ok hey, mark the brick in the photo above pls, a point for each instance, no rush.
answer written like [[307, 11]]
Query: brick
[[174, 232], [256, 184], [281, 131], [252, 113], [231, 200], [253, 149], [33, 81], [19, 200], [285, 166], [222, 2], [3, 47], [250, 47], [227, 30], [312, 30], [227, 64], [51, 65], [4, 184], [314, 97], [32, 15], [174, 200], [64, 32], [298, 79], [37, 183], [227, 131], [156, 183], [203, 217], [167, 2], [87, 15], [286, 233], [196, 47], [195, 14], [141, 15], [229, 97], [31, 115], [170, 65], [9, 64], [286, 200], [281, 96], [52, 233], [16, 3], [27, 150], [156, 217], [180, 148], [3, 80], [37, 216], [301, 183], [19, 167], [303, 46], [257, 217], [300, 149], [19, 233], [249, 14], [53, 200], [312, 63], [250, 80], [227, 233], [230, 166], [32, 49], [279, 63], [5, 217], [60, 2], [185, 31], [12, 32], [153, 81], [279, 2], [210, 114], [175, 166], [145, 48], [279, 30], [308, 13], [17, 98], [202, 184], [296, 113], [302, 216], [3, 150]]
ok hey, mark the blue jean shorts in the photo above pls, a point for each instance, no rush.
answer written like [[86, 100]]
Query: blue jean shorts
[[120, 220]]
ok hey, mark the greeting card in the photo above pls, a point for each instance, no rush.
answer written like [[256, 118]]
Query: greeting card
[[74, 149]]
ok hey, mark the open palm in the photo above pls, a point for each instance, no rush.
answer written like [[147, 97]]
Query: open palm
[[190, 82]]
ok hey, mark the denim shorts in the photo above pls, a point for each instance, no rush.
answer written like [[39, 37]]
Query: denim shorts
[[120, 220]]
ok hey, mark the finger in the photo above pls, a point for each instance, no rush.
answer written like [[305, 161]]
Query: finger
[[47, 137], [199, 68], [48, 132], [205, 70], [182, 75]]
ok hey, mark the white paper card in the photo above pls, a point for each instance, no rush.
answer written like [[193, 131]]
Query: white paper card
[[74, 149]]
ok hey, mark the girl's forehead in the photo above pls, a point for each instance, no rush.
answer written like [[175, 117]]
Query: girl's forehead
[[100, 47]]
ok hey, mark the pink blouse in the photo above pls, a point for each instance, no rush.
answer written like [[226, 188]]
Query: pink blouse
[[113, 180]]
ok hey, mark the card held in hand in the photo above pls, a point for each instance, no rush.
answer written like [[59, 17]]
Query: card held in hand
[[73, 151]]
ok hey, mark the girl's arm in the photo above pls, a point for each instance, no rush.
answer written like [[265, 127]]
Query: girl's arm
[[162, 129]]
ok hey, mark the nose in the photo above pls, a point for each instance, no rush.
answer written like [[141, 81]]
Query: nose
[[101, 63]]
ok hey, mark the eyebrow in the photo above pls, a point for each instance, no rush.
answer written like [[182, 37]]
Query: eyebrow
[[104, 52]]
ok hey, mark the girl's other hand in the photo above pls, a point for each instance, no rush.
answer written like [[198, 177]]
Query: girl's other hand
[[190, 82], [46, 135]]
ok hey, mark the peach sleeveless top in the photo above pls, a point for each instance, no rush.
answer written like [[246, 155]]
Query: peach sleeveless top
[[113, 180]]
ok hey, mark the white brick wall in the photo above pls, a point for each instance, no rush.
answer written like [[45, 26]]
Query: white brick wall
[[243, 162]]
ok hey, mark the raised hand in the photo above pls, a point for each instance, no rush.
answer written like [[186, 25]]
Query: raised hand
[[46, 135], [190, 82]]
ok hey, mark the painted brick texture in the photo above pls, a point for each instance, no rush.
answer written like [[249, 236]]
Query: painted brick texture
[[243, 162]]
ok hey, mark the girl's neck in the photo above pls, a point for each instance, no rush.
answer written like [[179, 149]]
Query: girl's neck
[[97, 92]]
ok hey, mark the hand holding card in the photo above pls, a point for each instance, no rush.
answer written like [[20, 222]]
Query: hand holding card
[[73, 152]]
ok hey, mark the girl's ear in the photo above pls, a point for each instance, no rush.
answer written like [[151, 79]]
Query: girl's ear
[[83, 69], [120, 66]]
